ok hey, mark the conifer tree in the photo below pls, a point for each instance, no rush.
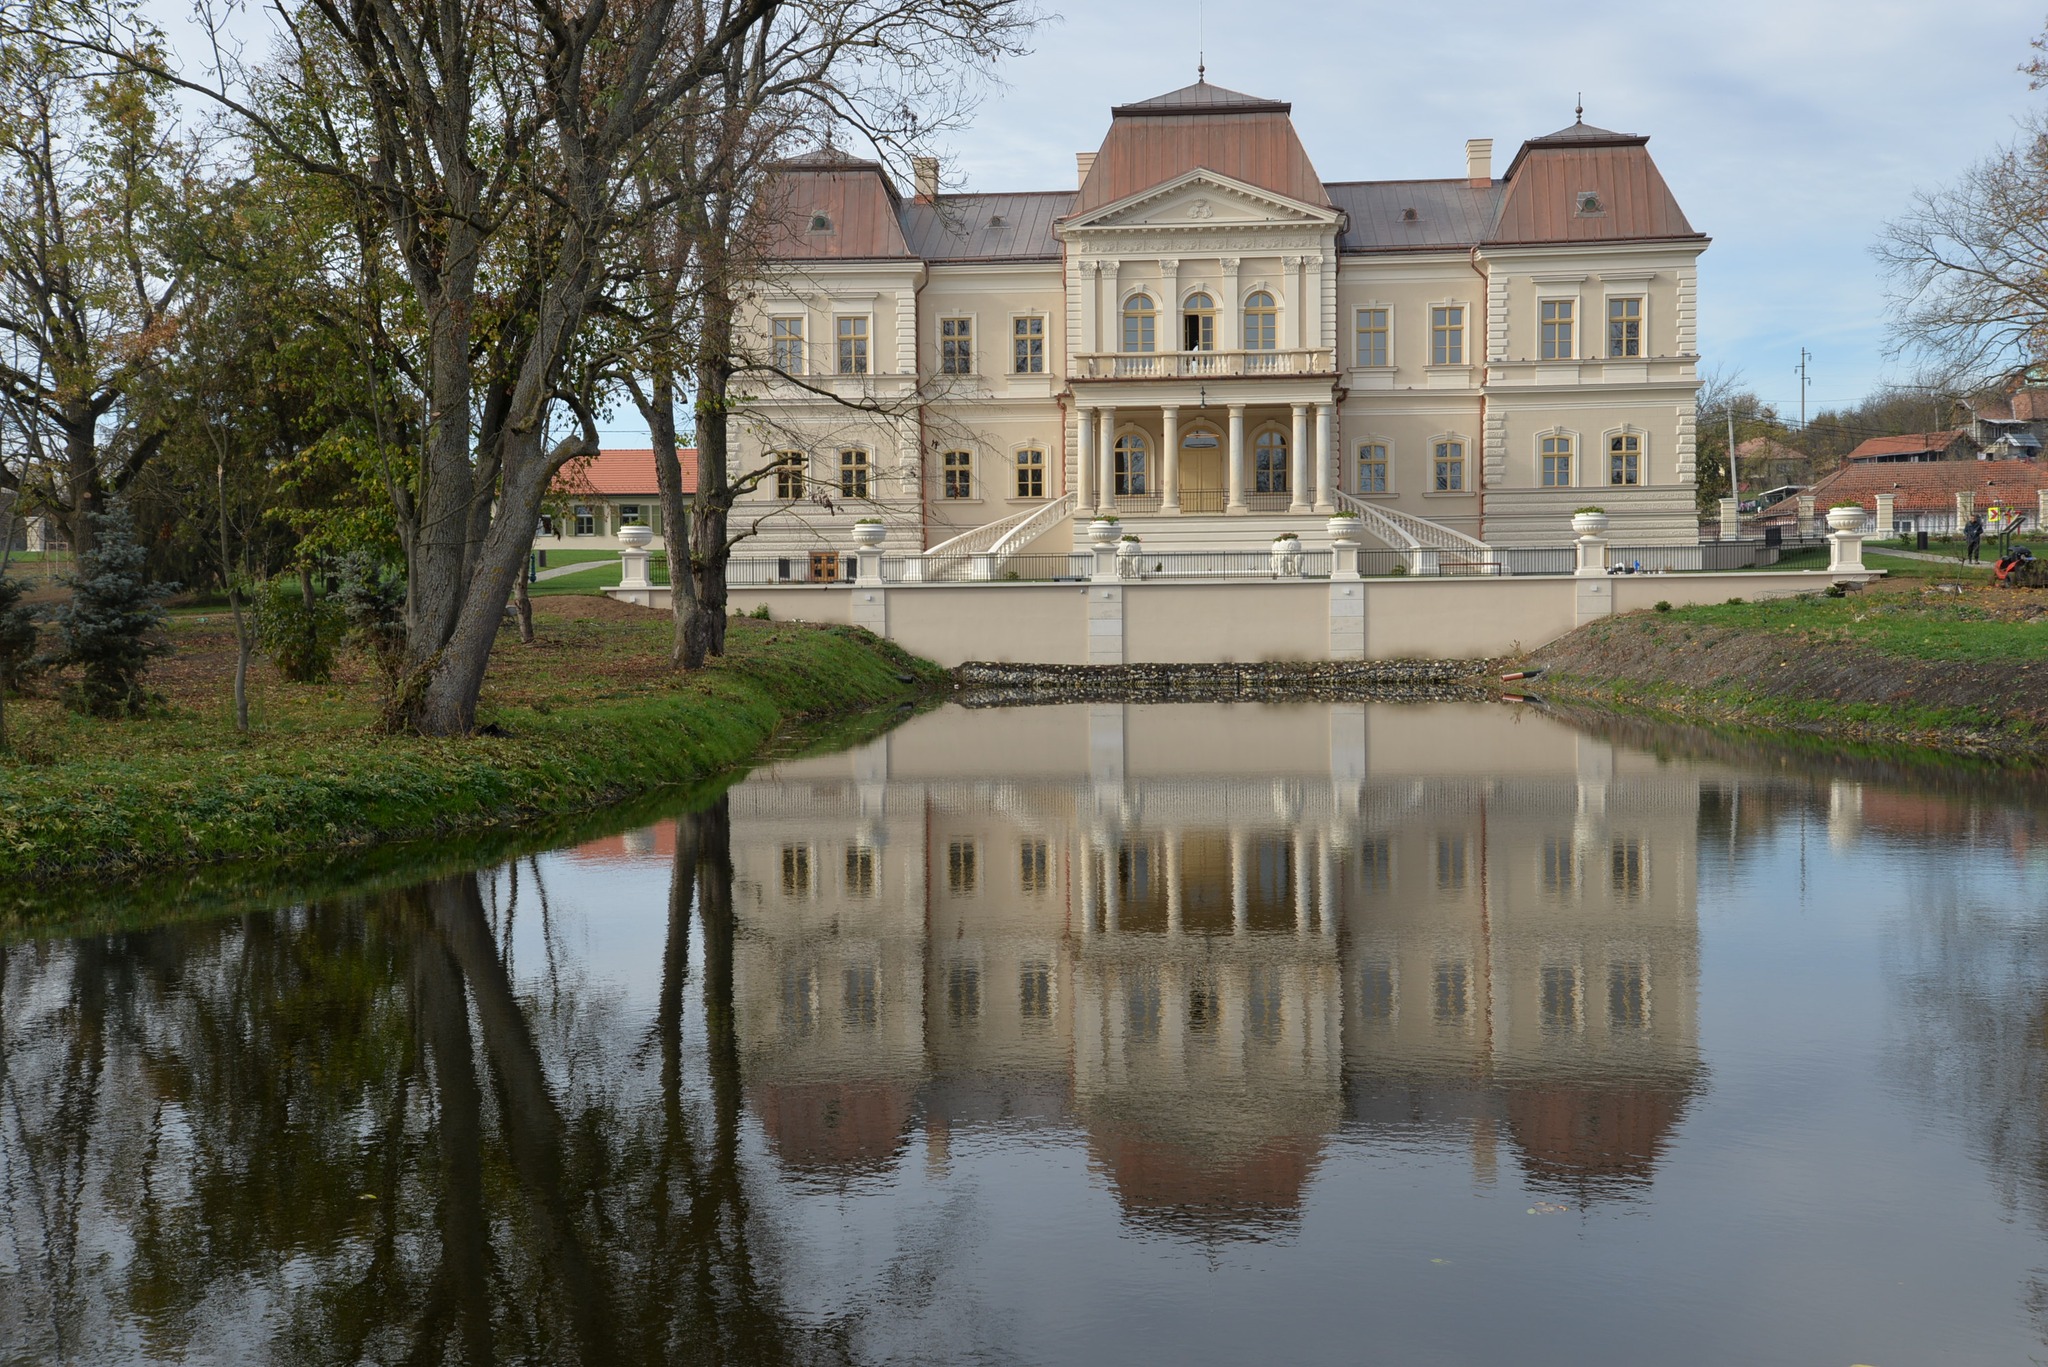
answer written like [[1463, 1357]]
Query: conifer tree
[[109, 628]]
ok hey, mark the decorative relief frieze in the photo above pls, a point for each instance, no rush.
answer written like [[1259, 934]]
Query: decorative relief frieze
[[1198, 241]]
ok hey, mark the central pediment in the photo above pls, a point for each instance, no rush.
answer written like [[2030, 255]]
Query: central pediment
[[1200, 200]]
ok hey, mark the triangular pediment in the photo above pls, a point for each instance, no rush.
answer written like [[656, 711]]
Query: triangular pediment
[[1204, 199]]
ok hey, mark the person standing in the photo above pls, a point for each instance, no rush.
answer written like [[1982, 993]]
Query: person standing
[[1973, 537]]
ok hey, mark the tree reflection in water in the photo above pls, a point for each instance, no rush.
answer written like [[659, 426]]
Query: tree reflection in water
[[341, 1134]]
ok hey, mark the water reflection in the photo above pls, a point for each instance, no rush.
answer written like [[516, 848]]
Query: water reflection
[[1212, 937]]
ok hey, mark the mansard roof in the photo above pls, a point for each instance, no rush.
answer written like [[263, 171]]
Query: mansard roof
[[1586, 184], [987, 227], [827, 206], [1413, 215], [1200, 127], [1200, 96]]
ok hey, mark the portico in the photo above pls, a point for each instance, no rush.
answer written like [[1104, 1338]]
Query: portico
[[1230, 449]]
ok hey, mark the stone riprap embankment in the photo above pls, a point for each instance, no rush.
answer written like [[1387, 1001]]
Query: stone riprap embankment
[[1014, 685]]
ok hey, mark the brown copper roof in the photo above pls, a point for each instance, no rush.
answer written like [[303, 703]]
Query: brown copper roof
[[1593, 1136], [986, 227], [1202, 126], [844, 1125], [856, 198], [1586, 184]]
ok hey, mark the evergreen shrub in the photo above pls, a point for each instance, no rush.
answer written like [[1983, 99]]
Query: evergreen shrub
[[109, 628], [299, 640]]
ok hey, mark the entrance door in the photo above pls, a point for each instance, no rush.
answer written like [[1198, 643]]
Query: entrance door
[[1202, 484]]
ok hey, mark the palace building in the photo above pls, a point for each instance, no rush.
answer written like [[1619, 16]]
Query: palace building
[[1207, 339]]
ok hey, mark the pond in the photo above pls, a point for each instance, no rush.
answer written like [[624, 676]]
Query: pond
[[1209, 1034]]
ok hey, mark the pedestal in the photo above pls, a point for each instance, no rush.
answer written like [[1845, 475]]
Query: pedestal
[[1845, 553], [633, 569]]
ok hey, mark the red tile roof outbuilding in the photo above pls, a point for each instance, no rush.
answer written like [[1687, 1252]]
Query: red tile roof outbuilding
[[622, 471]]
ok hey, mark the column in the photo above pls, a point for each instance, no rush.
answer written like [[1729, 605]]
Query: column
[[1240, 883], [1301, 903], [1087, 862], [1300, 310], [1230, 309], [1326, 458], [1105, 486], [1234, 461], [1731, 520], [1174, 923], [1326, 893], [1887, 514], [1089, 300], [1112, 867], [1108, 327], [1169, 460], [1297, 462], [1084, 460], [1169, 307]]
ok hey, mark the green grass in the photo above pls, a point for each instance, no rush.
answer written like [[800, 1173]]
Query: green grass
[[1906, 567], [598, 578], [1909, 627], [557, 559], [591, 720]]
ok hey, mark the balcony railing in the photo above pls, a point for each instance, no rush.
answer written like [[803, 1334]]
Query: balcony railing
[[1202, 365]]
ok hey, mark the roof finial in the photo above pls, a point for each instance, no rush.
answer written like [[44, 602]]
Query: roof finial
[[1579, 110]]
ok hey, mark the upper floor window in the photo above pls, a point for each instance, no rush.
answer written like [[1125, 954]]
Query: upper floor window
[[1447, 335], [1625, 459], [1372, 468], [1029, 336], [956, 346], [853, 346], [1449, 462], [1198, 324], [1557, 329], [1625, 327], [957, 469], [1372, 337], [787, 337], [1031, 473], [853, 473], [1261, 322], [1140, 324], [1557, 462], [789, 475]]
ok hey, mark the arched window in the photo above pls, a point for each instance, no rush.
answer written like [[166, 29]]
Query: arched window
[[1261, 322], [1130, 465], [1269, 463], [1140, 323], [1198, 324], [1556, 454]]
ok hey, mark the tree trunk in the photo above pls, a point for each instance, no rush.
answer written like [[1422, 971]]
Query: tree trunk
[[687, 649], [522, 603], [706, 626], [82, 474]]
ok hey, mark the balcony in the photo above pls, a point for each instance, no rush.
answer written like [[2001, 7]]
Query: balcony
[[1202, 365]]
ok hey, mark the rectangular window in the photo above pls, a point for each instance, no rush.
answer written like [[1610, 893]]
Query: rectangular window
[[787, 338], [1372, 336], [956, 346], [1031, 866], [1624, 327], [1450, 863], [853, 346], [1628, 996], [853, 474], [631, 515], [1372, 469], [1031, 474], [1030, 346], [1560, 997], [1557, 462], [1625, 459], [963, 991], [789, 475], [799, 1000], [1450, 467], [958, 473], [1560, 866], [1034, 991], [962, 871], [1447, 335], [860, 997], [1628, 868], [1557, 329], [1376, 864], [796, 870], [860, 870], [1452, 996], [1376, 990], [586, 519]]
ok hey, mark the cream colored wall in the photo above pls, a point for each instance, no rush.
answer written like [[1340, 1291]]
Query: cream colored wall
[[1041, 623], [1463, 618], [1188, 623]]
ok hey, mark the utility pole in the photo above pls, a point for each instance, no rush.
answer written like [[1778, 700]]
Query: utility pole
[[1804, 381], [1734, 489]]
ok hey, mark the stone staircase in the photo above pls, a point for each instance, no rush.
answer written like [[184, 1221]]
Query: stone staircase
[[1203, 532]]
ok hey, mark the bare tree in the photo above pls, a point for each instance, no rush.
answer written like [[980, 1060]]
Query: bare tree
[[1969, 264]]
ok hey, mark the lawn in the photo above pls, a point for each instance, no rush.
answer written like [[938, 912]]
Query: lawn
[[1981, 627], [597, 577]]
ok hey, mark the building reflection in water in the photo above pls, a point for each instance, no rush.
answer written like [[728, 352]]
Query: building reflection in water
[[1218, 939]]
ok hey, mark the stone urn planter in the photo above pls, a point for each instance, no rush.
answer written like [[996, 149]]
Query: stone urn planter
[[635, 537], [1287, 556], [1343, 527], [868, 535], [1103, 530], [1128, 548], [1590, 524], [1847, 518]]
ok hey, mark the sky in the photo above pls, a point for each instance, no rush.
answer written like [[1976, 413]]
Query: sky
[[1790, 130]]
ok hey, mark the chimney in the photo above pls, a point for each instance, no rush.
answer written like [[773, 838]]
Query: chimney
[[925, 171], [1479, 162], [1084, 162]]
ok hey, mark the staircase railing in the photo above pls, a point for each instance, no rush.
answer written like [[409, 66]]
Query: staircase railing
[[1034, 525], [952, 559], [1411, 530]]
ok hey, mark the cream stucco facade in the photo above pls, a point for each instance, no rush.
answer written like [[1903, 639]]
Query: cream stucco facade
[[1207, 341]]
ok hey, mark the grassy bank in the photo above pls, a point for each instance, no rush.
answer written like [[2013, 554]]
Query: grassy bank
[[587, 716], [1936, 661]]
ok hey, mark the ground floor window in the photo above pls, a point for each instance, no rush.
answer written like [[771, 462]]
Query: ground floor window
[[1130, 465], [586, 519], [547, 525], [1625, 459], [959, 474], [1269, 464], [1450, 467], [1557, 462], [1372, 469], [1031, 474], [853, 474]]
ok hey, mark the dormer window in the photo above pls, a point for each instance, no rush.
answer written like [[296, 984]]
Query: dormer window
[[1591, 205], [821, 223]]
